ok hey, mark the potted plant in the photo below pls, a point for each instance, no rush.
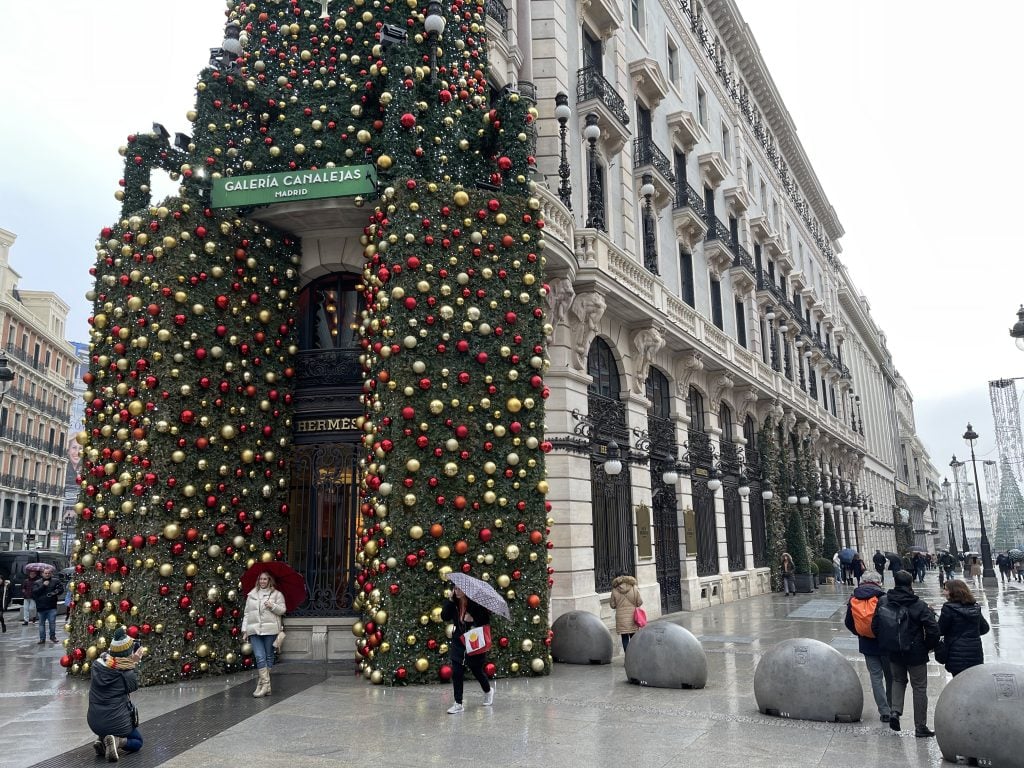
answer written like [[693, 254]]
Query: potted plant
[[824, 570], [796, 544]]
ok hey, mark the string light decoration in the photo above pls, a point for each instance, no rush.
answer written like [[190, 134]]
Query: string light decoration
[[188, 413]]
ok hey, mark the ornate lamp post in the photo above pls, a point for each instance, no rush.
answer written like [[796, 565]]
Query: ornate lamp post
[[955, 466], [562, 115], [986, 551], [650, 241], [770, 317], [6, 380], [595, 196], [434, 24]]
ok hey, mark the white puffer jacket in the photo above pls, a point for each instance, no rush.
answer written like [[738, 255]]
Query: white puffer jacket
[[258, 619]]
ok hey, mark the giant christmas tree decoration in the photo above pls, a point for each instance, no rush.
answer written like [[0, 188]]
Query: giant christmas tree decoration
[[1010, 523], [189, 403]]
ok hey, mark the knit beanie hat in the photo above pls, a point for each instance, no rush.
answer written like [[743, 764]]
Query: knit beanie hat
[[120, 644], [870, 577]]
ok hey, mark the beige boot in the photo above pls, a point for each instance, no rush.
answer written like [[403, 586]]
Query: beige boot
[[266, 679], [262, 684]]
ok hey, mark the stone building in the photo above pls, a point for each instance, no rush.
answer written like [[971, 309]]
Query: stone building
[[35, 411]]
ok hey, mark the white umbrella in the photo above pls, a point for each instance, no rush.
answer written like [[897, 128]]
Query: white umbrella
[[481, 593]]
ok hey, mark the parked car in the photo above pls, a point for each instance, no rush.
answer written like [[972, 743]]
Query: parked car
[[12, 566]]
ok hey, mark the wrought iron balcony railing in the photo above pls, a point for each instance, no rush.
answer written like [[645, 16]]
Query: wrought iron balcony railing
[[742, 258], [496, 10], [646, 152], [590, 84], [687, 197]]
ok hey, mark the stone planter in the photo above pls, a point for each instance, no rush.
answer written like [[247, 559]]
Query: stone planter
[[804, 582]]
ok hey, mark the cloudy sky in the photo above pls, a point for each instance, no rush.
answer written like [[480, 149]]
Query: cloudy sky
[[906, 110]]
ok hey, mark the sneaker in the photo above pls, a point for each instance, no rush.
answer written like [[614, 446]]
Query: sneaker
[[923, 732], [894, 722], [24, 623], [884, 718], [489, 697], [456, 709], [98, 748], [110, 749], [54, 640], [41, 642]]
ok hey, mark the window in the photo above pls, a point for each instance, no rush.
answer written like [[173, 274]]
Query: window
[[716, 303], [685, 277], [702, 107], [679, 167], [764, 196], [695, 409], [673, 63], [726, 150], [330, 311], [592, 57], [636, 11], [750, 176], [741, 324], [725, 422], [643, 123]]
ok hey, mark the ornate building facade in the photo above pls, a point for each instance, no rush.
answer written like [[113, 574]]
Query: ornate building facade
[[35, 411]]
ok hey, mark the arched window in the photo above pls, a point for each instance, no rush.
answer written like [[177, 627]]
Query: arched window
[[603, 370], [725, 422], [750, 431], [695, 410], [329, 311]]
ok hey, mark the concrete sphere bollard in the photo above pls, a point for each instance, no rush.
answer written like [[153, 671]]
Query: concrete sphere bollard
[[664, 655], [980, 716], [579, 637], [806, 679]]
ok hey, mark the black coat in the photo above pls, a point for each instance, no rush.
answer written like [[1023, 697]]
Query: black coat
[[47, 594], [879, 561], [109, 714], [450, 612], [923, 626], [962, 627]]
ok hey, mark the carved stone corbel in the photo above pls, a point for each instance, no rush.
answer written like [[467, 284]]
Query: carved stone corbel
[[647, 342], [560, 298], [719, 387], [691, 363], [588, 308], [789, 422]]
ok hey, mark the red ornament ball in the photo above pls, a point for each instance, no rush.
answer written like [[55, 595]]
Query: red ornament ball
[[408, 120], [444, 674]]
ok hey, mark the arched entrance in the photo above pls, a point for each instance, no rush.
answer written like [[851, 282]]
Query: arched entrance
[[663, 452]]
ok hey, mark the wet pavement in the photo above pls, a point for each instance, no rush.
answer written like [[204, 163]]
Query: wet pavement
[[586, 715]]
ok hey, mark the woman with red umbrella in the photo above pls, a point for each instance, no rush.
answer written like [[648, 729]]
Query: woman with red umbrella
[[261, 623]]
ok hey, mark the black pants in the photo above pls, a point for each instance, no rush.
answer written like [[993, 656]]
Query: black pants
[[459, 661]]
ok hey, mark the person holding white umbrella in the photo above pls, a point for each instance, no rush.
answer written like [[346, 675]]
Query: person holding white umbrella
[[471, 632]]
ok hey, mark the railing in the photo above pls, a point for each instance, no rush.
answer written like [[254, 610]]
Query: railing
[[718, 231], [742, 258], [687, 197], [590, 84], [38, 403], [43, 490], [496, 10], [31, 441], [646, 152]]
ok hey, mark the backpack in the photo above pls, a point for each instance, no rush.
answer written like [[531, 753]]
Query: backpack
[[893, 628], [863, 611]]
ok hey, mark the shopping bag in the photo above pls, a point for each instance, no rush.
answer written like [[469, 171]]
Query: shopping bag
[[477, 640], [640, 617]]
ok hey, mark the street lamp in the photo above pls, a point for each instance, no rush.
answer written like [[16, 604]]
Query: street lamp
[[1017, 332], [649, 225], [562, 115], [595, 194], [956, 466], [6, 379], [986, 551], [33, 494], [434, 24]]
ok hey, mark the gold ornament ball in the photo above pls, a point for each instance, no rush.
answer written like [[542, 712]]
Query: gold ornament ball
[[376, 677], [422, 665], [172, 531], [203, 651], [527, 645], [514, 666], [246, 649], [166, 570], [537, 665], [416, 532], [461, 198], [384, 162]]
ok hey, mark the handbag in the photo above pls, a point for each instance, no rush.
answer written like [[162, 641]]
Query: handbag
[[640, 617], [477, 640], [132, 709], [942, 652]]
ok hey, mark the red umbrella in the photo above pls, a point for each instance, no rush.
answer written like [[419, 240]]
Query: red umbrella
[[287, 580]]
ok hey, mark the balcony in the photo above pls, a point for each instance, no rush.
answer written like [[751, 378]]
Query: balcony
[[713, 168], [761, 229], [595, 94], [738, 199], [743, 271], [718, 246], [496, 10], [648, 81], [605, 16], [648, 158], [686, 128], [689, 218]]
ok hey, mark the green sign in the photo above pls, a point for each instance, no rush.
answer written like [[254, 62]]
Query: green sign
[[266, 188]]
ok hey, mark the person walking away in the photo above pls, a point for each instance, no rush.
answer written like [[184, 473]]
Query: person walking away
[[46, 594], [906, 630], [464, 615], [113, 676], [837, 569], [961, 624], [857, 568], [1003, 563], [624, 601], [788, 574], [1018, 570], [976, 571], [28, 603], [860, 610], [261, 623], [879, 561], [918, 562], [895, 566]]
